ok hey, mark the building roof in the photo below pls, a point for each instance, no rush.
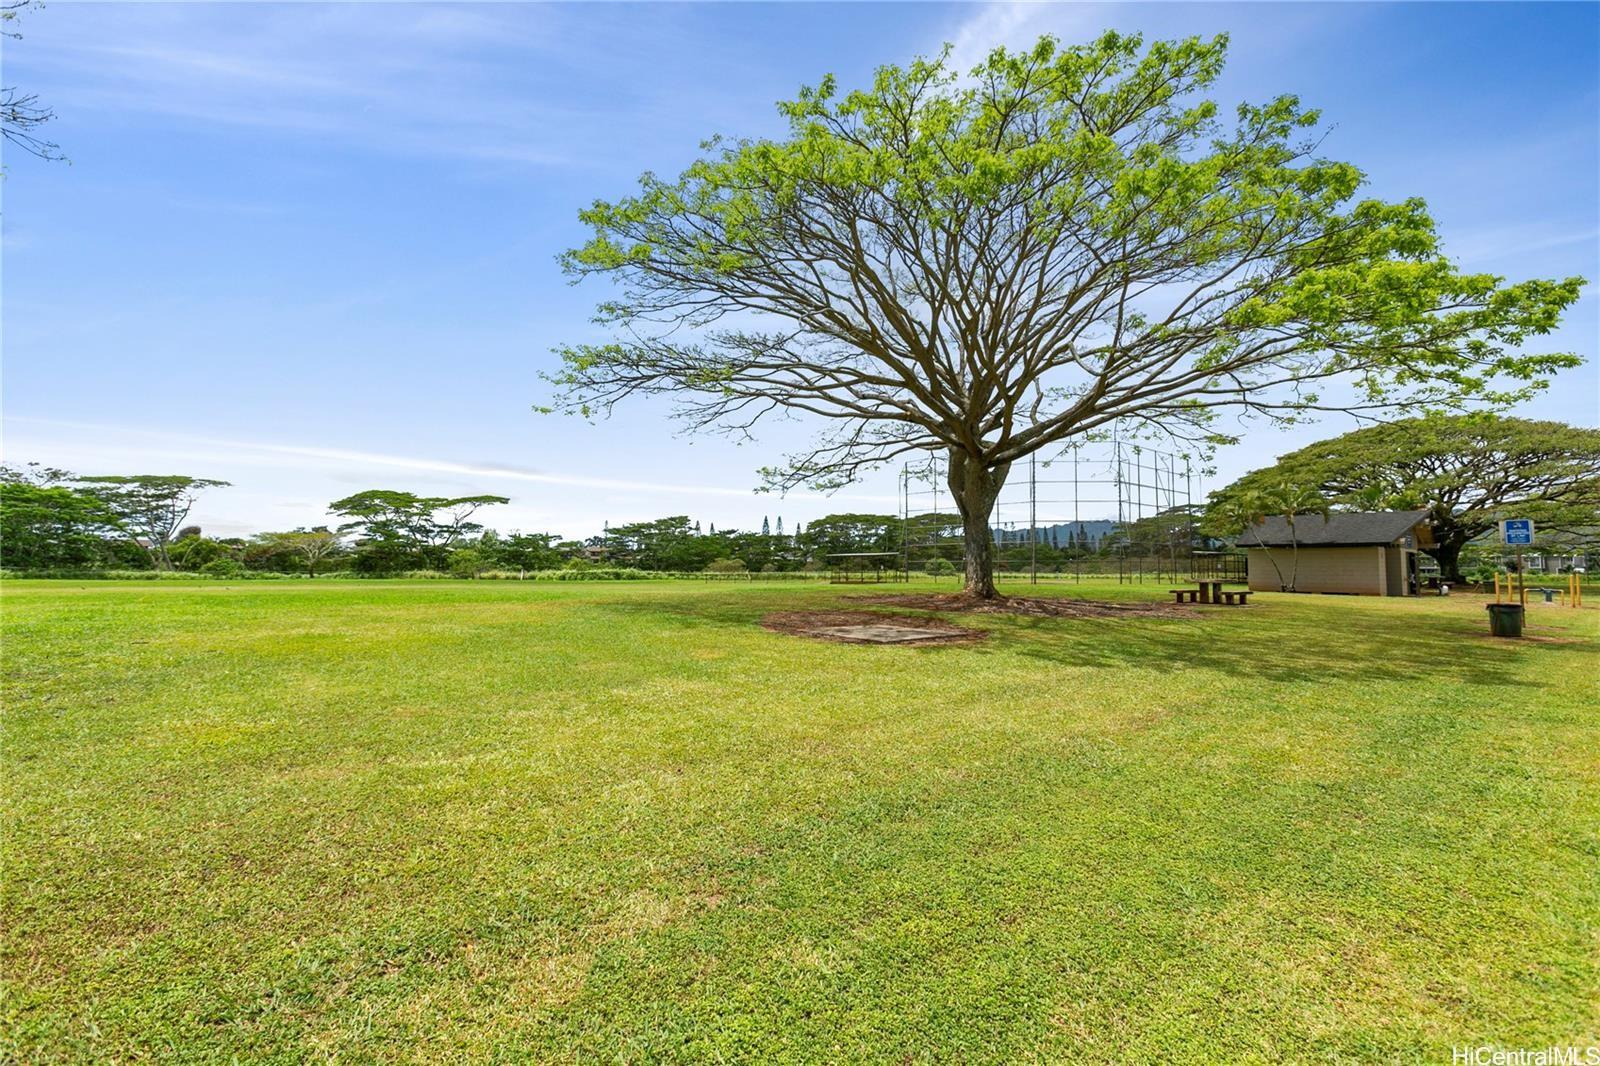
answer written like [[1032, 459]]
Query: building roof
[[1341, 528]]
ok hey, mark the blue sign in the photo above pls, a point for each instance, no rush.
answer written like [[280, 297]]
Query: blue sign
[[1517, 531]]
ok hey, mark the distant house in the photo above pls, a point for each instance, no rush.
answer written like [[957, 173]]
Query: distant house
[[1547, 563], [1372, 553]]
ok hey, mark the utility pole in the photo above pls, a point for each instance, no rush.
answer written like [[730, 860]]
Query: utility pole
[[1078, 547], [1033, 521], [1188, 512], [905, 520]]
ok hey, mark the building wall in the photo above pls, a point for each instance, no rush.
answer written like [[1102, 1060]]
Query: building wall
[[1396, 576], [1360, 570]]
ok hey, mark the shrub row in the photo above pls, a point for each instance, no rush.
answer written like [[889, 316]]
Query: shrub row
[[241, 574], [235, 572], [150, 575]]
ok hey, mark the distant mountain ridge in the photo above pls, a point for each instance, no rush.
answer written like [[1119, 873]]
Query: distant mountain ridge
[[1061, 534]]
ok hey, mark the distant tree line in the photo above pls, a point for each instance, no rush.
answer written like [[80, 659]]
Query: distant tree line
[[56, 520], [1467, 471]]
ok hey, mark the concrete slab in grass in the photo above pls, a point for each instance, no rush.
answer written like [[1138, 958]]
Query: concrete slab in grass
[[883, 633]]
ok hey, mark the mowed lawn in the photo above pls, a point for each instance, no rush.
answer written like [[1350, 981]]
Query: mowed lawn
[[502, 821]]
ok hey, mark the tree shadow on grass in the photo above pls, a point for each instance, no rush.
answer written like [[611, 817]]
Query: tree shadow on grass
[[1262, 641], [1283, 648]]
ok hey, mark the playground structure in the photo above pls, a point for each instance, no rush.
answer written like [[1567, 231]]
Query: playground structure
[[1513, 588], [1096, 507]]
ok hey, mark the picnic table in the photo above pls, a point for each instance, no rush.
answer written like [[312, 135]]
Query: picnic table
[[1209, 592]]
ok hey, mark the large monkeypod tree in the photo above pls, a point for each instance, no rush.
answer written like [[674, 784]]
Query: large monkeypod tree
[[1469, 471], [987, 264]]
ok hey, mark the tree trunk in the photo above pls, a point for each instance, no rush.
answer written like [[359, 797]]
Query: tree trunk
[[975, 489], [1448, 555], [1283, 586]]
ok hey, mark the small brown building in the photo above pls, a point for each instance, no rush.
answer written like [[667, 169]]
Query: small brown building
[[1370, 553]]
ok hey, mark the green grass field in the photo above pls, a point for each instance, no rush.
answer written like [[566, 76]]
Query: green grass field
[[503, 821]]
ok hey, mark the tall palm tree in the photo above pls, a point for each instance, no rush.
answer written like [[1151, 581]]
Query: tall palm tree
[[1294, 501], [1240, 515]]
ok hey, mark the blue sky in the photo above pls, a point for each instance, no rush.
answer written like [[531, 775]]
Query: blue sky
[[311, 249]]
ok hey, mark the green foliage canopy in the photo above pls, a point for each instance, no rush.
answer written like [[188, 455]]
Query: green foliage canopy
[[662, 544], [1469, 471], [525, 551], [1070, 237], [397, 530], [149, 508], [853, 532], [51, 526], [309, 546]]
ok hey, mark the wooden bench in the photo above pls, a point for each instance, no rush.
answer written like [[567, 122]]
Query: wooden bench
[[1185, 595]]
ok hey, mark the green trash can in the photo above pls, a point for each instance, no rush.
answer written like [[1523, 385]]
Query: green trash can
[[1505, 619]]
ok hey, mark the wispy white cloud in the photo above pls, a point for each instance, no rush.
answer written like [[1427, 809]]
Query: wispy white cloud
[[995, 25], [1018, 25], [353, 462], [477, 83], [1490, 246]]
